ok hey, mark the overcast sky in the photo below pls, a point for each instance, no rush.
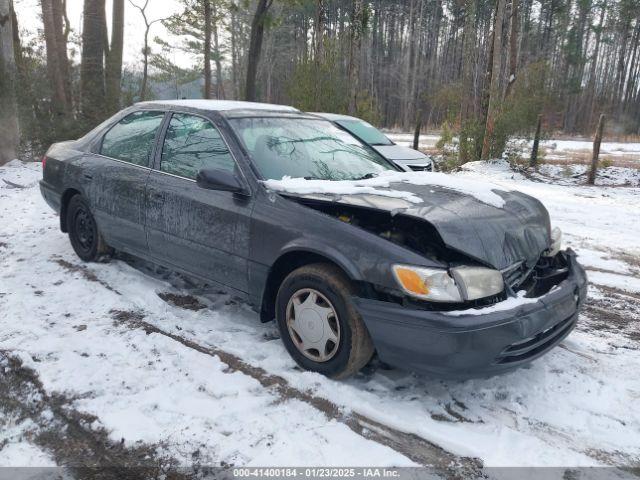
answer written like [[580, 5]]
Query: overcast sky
[[29, 13]]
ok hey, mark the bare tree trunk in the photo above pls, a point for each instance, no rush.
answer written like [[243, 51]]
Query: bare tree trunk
[[620, 70], [407, 98], [255, 48], [235, 67], [591, 87], [145, 64], [57, 61], [146, 51], [596, 151], [64, 29], [318, 53], [417, 73], [216, 46], [9, 131], [356, 29], [318, 49], [92, 68], [113, 71], [494, 84], [467, 107], [207, 48], [631, 79], [29, 108], [513, 46]]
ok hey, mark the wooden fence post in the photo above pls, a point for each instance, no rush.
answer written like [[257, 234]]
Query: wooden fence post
[[596, 151], [533, 162]]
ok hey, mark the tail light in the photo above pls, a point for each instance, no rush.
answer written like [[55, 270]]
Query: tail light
[[44, 162]]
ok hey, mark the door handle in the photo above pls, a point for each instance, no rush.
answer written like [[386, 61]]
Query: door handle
[[88, 176]]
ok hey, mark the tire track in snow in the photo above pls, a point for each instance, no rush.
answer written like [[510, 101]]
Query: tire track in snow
[[412, 446], [68, 434]]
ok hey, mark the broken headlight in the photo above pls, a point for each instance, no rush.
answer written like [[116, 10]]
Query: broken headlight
[[458, 285], [477, 282]]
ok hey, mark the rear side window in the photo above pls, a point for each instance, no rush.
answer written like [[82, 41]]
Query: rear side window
[[191, 144], [132, 138]]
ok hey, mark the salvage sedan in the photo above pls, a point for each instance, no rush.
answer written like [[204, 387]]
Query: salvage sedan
[[315, 229]]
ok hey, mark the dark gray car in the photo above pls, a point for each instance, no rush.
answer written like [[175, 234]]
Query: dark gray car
[[355, 258]]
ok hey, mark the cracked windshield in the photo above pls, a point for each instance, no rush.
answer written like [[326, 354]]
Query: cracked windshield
[[306, 148]]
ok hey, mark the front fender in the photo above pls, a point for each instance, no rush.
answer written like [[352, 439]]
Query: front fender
[[281, 226], [325, 250]]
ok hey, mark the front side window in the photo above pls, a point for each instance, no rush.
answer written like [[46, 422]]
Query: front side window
[[132, 138], [365, 131], [306, 148], [191, 144]]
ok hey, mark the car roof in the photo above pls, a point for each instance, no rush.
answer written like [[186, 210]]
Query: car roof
[[219, 105], [335, 116]]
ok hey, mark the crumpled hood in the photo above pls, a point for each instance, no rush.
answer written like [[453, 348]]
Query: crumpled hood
[[496, 236]]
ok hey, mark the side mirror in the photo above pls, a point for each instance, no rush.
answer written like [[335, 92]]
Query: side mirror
[[215, 179]]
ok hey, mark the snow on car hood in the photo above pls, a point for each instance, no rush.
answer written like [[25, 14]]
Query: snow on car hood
[[398, 152], [497, 227]]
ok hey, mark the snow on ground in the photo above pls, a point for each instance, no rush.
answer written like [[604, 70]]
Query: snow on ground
[[623, 282], [576, 174], [630, 149], [552, 149], [406, 139], [578, 405], [18, 451]]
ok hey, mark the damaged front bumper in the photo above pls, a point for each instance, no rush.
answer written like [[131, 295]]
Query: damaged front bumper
[[477, 344]]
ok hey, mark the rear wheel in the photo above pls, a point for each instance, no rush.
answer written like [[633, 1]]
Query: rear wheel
[[83, 232], [319, 324]]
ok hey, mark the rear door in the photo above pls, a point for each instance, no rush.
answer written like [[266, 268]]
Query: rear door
[[202, 231], [119, 176]]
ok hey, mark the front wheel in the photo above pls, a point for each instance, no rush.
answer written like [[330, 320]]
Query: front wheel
[[318, 323], [83, 232]]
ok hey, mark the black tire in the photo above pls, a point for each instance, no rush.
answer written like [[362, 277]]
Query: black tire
[[354, 347], [85, 238]]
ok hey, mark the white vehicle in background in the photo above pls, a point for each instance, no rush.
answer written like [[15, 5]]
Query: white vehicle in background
[[406, 158]]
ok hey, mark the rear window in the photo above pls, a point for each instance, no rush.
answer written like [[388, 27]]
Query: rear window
[[132, 138]]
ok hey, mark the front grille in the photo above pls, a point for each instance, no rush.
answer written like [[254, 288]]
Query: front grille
[[515, 275], [421, 168], [532, 346]]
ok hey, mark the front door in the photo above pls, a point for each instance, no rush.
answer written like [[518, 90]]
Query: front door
[[202, 231], [118, 176]]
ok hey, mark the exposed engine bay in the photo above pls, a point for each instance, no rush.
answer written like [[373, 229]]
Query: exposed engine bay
[[419, 236], [547, 273]]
